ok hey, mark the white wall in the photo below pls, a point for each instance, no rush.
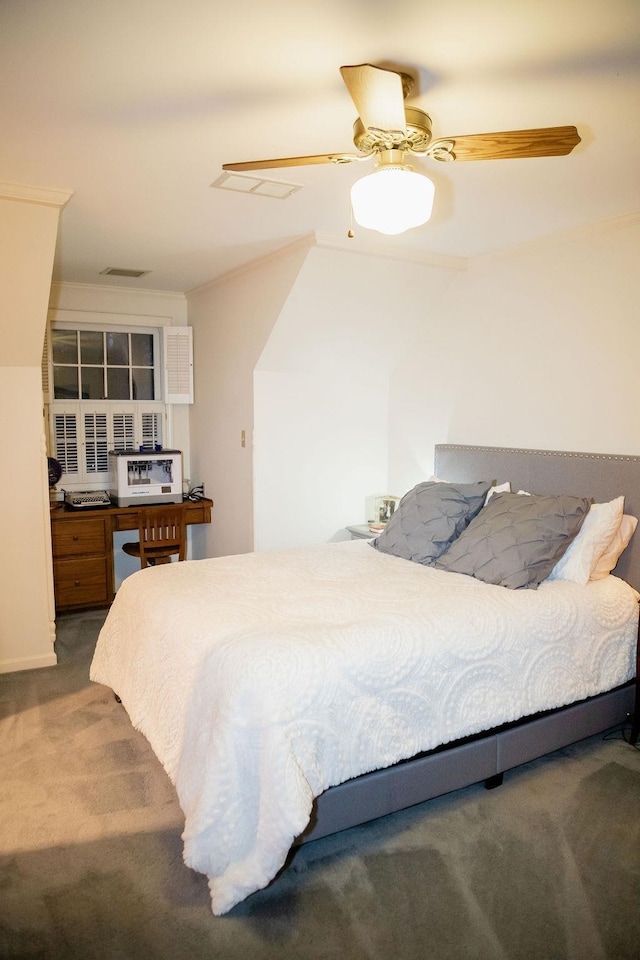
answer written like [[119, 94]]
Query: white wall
[[536, 348], [322, 391], [320, 447], [232, 319], [88, 303], [28, 227]]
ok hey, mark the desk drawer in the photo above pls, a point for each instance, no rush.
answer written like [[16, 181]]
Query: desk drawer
[[74, 537], [80, 582]]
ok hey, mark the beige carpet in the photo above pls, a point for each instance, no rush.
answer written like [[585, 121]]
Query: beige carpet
[[547, 867]]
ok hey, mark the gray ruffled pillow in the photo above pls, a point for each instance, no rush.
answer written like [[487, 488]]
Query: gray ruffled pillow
[[429, 518], [515, 541]]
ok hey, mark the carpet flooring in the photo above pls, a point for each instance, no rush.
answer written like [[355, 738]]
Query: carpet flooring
[[547, 867]]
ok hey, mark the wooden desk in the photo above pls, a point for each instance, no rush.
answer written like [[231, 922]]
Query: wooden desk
[[83, 558]]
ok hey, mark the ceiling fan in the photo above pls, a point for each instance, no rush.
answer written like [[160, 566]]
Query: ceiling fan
[[393, 198]]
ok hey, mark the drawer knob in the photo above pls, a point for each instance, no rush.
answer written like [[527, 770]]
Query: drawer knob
[[74, 538], [76, 583]]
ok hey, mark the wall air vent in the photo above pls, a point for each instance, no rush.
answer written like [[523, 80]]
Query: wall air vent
[[240, 183], [122, 272]]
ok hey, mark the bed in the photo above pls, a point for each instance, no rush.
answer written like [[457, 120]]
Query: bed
[[296, 694]]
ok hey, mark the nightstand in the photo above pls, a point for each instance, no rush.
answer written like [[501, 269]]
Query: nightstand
[[360, 531]]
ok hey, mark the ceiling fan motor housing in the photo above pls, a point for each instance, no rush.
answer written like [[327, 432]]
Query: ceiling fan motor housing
[[415, 139]]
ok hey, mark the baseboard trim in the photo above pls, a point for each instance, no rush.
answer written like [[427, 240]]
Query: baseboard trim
[[28, 663]]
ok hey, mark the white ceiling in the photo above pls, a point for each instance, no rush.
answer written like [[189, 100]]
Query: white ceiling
[[135, 104]]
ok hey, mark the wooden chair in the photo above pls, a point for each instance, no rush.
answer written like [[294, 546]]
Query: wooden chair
[[162, 534]]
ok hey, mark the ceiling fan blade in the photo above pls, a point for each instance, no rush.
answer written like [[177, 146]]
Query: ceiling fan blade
[[293, 161], [510, 144], [378, 96]]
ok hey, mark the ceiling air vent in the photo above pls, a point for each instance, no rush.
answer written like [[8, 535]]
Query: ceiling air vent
[[122, 272], [278, 189]]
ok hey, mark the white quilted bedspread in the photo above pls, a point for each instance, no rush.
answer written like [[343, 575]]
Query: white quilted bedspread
[[261, 680]]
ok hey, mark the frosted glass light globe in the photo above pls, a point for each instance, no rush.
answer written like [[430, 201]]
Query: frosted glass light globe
[[392, 199]]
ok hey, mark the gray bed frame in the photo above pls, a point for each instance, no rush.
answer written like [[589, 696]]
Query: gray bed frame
[[487, 756]]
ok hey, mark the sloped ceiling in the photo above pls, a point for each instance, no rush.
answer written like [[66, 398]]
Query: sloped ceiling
[[135, 104]]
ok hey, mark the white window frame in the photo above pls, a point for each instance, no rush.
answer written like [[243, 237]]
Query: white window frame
[[158, 360], [147, 416]]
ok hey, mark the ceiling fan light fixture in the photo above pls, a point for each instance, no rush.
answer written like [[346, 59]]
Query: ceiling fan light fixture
[[392, 199]]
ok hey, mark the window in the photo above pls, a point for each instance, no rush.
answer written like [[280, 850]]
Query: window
[[103, 365], [103, 391], [83, 434]]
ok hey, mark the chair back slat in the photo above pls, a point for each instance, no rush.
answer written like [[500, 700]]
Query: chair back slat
[[162, 532]]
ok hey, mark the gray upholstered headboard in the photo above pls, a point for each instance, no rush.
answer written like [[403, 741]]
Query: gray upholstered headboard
[[600, 476]]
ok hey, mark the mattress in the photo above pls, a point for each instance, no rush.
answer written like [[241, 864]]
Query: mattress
[[263, 679]]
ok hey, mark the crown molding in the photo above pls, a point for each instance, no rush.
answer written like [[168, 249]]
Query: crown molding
[[386, 249], [391, 250], [114, 288], [29, 194], [301, 244], [65, 315], [561, 237]]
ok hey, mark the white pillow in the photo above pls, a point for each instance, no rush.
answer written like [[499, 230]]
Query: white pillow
[[596, 533], [621, 537], [500, 488]]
